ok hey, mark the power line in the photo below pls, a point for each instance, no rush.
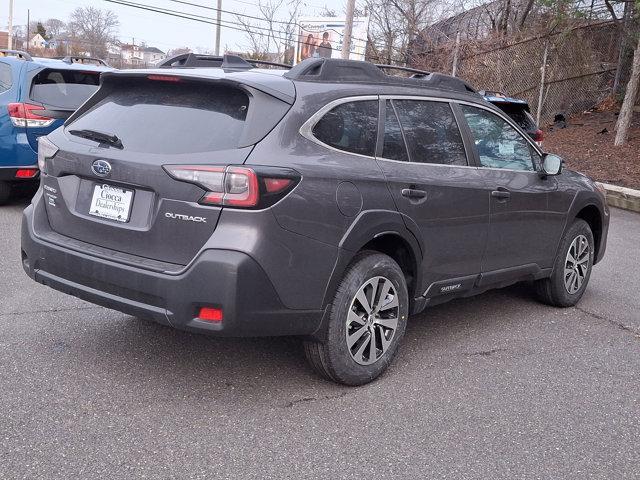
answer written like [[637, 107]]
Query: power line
[[206, 7], [203, 19], [209, 20]]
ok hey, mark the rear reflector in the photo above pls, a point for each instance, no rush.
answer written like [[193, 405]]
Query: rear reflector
[[209, 314], [26, 173]]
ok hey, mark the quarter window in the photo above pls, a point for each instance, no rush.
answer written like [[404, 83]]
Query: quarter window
[[499, 145], [5, 77], [431, 132], [351, 127]]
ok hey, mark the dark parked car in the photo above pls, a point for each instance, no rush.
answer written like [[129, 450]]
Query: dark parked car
[[330, 203], [36, 96], [519, 111]]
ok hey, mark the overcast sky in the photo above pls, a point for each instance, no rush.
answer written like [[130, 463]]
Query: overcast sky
[[155, 29]]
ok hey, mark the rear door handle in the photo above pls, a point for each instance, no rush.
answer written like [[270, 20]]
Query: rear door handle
[[411, 193], [501, 193]]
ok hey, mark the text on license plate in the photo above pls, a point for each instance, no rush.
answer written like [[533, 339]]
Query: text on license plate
[[111, 202]]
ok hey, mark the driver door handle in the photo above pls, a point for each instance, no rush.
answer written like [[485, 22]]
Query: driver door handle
[[412, 193], [501, 193]]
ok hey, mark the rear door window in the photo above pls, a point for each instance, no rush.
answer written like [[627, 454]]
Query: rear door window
[[351, 127], [64, 89], [167, 117], [431, 132], [6, 79]]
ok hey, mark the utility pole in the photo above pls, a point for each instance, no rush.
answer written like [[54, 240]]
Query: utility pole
[[218, 20], [28, 29], [10, 36], [348, 29]]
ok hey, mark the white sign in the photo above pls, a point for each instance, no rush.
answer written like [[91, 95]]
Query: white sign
[[111, 202], [322, 37]]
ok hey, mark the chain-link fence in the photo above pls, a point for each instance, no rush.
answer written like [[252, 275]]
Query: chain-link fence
[[578, 72]]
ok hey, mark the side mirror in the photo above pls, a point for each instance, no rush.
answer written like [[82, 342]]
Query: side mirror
[[551, 164]]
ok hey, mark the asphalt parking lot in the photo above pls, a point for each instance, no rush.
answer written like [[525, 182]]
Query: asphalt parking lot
[[496, 386]]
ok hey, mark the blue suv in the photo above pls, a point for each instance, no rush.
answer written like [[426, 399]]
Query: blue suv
[[36, 96]]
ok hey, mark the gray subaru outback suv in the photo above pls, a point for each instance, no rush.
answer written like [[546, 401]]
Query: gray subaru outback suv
[[329, 202]]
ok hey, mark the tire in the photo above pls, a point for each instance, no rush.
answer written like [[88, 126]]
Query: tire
[[348, 315], [561, 291], [5, 192]]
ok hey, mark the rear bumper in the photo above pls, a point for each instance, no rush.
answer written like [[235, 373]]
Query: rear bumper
[[8, 174], [224, 279]]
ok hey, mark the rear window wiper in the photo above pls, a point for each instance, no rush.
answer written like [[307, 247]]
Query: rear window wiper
[[99, 137]]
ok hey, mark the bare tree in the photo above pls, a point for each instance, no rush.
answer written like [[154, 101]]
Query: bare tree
[[275, 32], [395, 24], [630, 97], [55, 28], [178, 51], [94, 29]]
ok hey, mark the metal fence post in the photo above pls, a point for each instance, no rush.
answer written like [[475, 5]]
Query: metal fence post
[[543, 72]]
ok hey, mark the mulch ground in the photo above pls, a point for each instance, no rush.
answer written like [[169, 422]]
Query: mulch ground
[[586, 144]]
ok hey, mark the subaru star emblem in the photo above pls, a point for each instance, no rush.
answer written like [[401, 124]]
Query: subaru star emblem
[[102, 168]]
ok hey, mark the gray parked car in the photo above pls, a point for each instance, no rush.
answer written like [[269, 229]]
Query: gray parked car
[[329, 203]]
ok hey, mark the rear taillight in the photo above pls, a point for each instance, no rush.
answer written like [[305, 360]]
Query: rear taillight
[[237, 186], [26, 115], [46, 151], [538, 136]]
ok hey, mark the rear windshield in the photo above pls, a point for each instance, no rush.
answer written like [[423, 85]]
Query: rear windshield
[[520, 115], [5, 77], [166, 117], [64, 89]]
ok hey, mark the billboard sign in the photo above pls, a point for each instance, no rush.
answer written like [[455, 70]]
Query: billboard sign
[[322, 37]]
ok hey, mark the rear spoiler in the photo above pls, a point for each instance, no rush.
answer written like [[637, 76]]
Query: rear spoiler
[[276, 86], [267, 104]]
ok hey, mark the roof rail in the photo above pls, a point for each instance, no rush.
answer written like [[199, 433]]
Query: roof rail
[[337, 70], [16, 53], [403, 69], [195, 60], [82, 59]]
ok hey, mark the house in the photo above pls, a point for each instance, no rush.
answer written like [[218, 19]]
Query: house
[[131, 54], [4, 39], [152, 55], [37, 41]]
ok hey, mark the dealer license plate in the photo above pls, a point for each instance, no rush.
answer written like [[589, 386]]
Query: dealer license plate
[[111, 202]]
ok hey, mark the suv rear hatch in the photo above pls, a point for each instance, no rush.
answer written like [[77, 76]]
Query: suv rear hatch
[[57, 93], [117, 148]]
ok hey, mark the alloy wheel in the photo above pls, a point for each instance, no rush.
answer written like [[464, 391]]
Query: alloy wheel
[[576, 265], [372, 320]]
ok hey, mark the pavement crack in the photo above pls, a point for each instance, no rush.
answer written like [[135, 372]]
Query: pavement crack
[[619, 325]]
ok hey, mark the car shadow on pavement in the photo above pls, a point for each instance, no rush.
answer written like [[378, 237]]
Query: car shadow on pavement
[[162, 356]]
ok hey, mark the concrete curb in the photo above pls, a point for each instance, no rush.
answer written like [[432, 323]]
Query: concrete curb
[[622, 197]]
